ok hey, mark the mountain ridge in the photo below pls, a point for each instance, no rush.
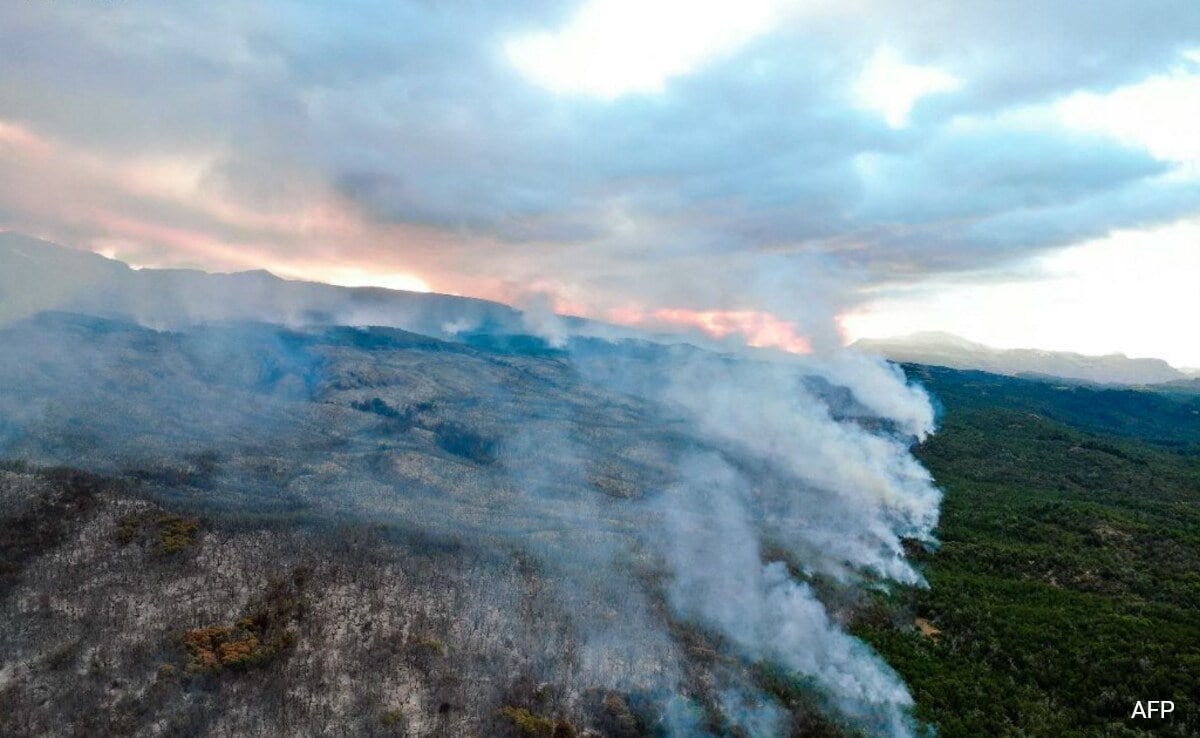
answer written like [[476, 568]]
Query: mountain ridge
[[938, 348], [38, 275]]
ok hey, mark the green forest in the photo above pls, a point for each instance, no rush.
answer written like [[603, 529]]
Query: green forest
[[1067, 582]]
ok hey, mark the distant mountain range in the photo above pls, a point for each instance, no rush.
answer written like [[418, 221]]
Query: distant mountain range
[[949, 350], [37, 275]]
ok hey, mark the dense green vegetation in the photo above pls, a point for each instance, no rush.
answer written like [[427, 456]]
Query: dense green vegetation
[[1067, 585], [1166, 415]]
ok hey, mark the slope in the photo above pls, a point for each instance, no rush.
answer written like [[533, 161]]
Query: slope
[[1067, 585]]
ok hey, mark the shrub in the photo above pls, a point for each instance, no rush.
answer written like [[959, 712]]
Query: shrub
[[127, 529], [527, 723], [392, 717], [462, 441], [62, 657], [202, 645], [433, 645], [537, 726], [255, 637], [175, 533]]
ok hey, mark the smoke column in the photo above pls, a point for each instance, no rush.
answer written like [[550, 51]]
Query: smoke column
[[836, 493]]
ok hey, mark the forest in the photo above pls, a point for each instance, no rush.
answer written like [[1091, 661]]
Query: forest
[[1067, 583]]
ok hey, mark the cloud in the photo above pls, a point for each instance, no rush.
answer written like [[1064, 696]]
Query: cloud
[[892, 87], [613, 47], [735, 151]]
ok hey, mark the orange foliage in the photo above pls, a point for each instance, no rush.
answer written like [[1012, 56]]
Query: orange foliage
[[212, 648], [235, 652]]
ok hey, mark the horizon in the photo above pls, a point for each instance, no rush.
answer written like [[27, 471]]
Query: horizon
[[785, 174], [684, 335]]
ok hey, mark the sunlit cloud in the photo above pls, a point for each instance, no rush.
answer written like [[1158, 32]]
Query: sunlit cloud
[[16, 140], [891, 86], [367, 277], [1156, 114], [158, 211], [613, 47], [1132, 292], [746, 169], [1160, 114], [754, 328]]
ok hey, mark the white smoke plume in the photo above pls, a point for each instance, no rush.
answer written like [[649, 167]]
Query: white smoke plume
[[730, 480], [843, 495], [854, 492], [538, 317]]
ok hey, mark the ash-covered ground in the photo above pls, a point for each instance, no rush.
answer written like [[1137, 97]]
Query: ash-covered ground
[[358, 531]]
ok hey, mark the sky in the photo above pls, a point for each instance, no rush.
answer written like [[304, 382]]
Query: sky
[[794, 174]]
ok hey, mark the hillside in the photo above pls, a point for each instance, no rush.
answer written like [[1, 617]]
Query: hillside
[[1167, 416], [1066, 585], [125, 619], [1065, 582], [374, 531], [224, 525]]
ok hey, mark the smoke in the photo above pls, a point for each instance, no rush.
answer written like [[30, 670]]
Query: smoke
[[539, 318], [845, 492], [758, 717], [827, 479], [38, 276], [657, 487], [720, 581]]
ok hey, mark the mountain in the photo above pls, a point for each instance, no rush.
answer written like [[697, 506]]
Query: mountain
[[37, 275], [945, 349], [275, 529]]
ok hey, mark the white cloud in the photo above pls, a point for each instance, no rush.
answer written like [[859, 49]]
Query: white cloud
[[890, 86], [401, 140], [1159, 114], [613, 47], [1132, 292]]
